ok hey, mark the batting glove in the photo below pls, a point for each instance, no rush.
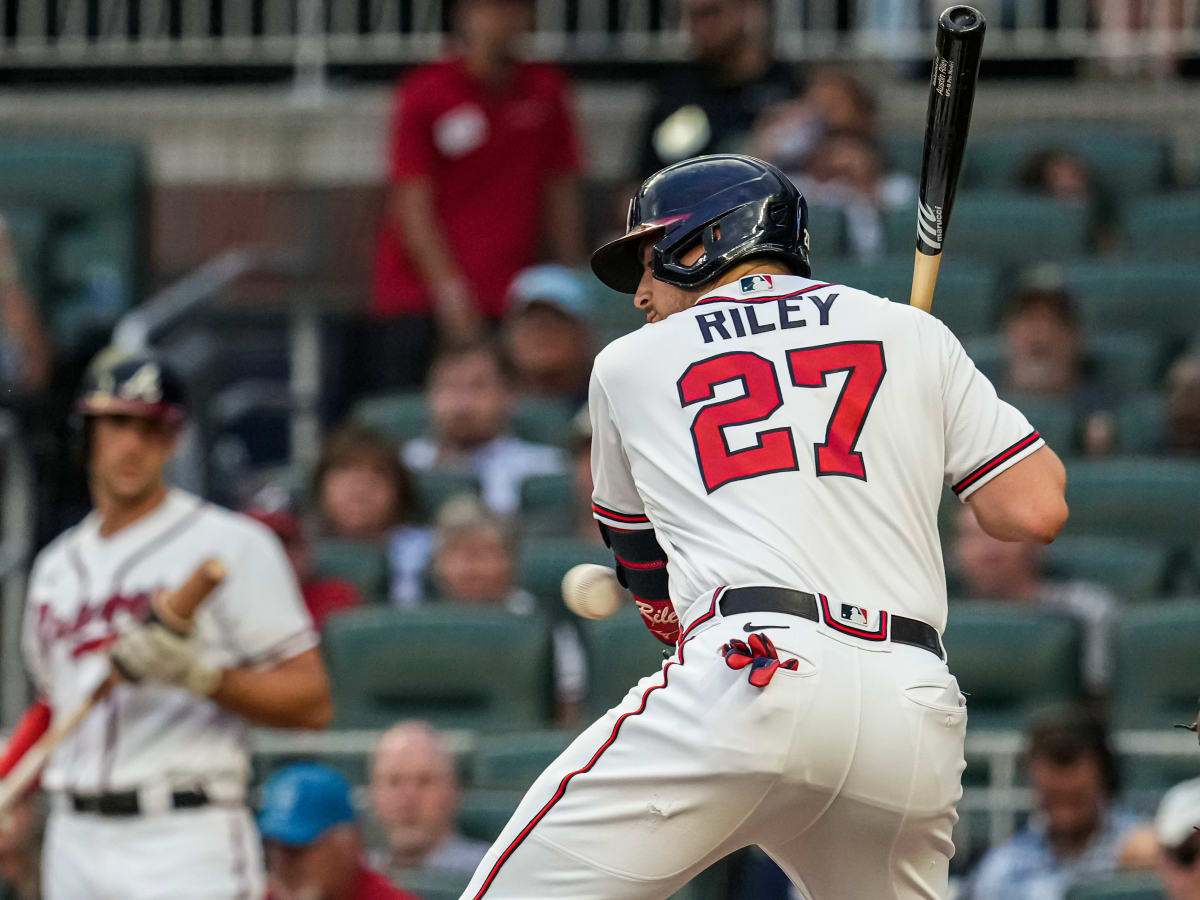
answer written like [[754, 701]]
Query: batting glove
[[660, 618], [155, 653], [760, 655]]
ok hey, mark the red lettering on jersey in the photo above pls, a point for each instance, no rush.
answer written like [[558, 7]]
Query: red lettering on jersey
[[51, 629]]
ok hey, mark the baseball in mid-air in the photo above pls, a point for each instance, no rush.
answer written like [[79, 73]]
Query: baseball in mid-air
[[591, 591]]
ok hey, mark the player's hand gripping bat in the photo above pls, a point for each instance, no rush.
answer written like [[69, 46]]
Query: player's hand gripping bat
[[176, 610], [951, 96]]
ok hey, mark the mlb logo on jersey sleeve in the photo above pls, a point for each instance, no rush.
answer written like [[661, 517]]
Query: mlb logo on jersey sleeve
[[752, 284]]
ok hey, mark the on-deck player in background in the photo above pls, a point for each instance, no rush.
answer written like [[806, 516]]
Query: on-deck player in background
[[147, 797], [769, 453]]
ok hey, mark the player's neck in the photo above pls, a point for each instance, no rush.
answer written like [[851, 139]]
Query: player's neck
[[753, 267], [118, 514]]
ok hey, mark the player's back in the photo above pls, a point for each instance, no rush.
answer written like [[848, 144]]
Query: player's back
[[791, 432]]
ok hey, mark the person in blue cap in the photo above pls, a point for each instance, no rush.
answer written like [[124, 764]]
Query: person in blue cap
[[548, 334], [312, 843]]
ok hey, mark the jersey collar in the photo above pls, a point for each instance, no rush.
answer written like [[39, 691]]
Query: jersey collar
[[753, 288]]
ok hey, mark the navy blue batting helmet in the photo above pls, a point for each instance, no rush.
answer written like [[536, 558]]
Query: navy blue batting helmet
[[737, 206], [132, 384]]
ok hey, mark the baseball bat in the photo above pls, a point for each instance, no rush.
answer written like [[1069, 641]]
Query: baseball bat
[[951, 96], [175, 609]]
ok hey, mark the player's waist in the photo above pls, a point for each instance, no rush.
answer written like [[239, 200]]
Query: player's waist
[[155, 798], [852, 620]]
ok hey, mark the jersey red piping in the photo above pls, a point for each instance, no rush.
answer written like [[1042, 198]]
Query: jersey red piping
[[562, 786], [880, 635], [620, 517], [996, 460]]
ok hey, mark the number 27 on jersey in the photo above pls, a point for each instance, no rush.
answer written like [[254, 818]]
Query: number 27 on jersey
[[775, 449]]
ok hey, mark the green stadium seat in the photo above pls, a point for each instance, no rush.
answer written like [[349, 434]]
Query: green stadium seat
[[827, 232], [483, 812], [1166, 227], [513, 761], [613, 313], [624, 651], [1154, 681], [544, 562], [456, 667], [902, 152], [29, 231], [1000, 225], [363, 563], [400, 417], [1123, 363], [966, 291], [435, 884], [1133, 886], [543, 421], [1122, 297], [1053, 417], [1131, 569], [94, 195], [403, 415], [434, 488], [1142, 425], [549, 496], [982, 642], [1124, 162], [1152, 499]]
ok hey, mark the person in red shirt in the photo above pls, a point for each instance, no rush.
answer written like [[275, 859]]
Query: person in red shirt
[[313, 846], [484, 159], [322, 596]]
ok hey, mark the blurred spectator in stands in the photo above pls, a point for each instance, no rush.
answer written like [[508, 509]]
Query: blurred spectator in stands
[[1164, 25], [470, 406], [25, 354], [1076, 829], [312, 845], [835, 102], [547, 334], [585, 527], [20, 849], [1010, 571], [475, 564], [1044, 356], [846, 171], [1183, 406], [364, 492], [322, 596], [414, 797], [1064, 175], [484, 160], [1176, 827], [710, 104]]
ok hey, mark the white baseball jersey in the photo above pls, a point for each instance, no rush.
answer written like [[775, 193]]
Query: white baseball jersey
[[86, 589], [789, 432]]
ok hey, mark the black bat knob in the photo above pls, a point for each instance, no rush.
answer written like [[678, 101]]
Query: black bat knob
[[959, 19]]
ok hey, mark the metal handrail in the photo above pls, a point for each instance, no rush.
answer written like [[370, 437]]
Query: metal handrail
[[16, 542], [139, 327]]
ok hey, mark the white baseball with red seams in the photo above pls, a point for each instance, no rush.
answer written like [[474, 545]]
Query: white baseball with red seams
[[85, 590], [592, 591], [782, 432]]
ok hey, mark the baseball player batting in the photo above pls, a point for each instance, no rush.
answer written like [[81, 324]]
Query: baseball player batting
[[769, 454], [147, 794]]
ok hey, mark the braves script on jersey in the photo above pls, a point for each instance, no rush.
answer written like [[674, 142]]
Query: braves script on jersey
[[789, 432], [86, 589]]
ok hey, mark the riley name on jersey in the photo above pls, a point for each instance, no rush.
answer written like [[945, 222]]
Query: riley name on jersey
[[768, 313]]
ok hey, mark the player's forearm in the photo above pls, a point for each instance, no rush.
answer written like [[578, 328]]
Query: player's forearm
[[412, 207], [295, 694], [564, 220]]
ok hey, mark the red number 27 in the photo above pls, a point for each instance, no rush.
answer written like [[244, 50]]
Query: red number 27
[[775, 449]]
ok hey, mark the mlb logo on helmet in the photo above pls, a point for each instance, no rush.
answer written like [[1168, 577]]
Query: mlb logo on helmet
[[752, 283]]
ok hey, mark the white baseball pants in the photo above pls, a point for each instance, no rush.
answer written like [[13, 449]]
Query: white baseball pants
[[846, 771], [209, 853]]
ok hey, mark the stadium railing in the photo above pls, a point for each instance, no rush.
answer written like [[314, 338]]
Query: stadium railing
[[310, 34]]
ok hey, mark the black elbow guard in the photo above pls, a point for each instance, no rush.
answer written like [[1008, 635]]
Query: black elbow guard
[[641, 562]]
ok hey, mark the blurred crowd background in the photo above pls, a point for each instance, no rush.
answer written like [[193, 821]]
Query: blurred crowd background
[[359, 229]]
